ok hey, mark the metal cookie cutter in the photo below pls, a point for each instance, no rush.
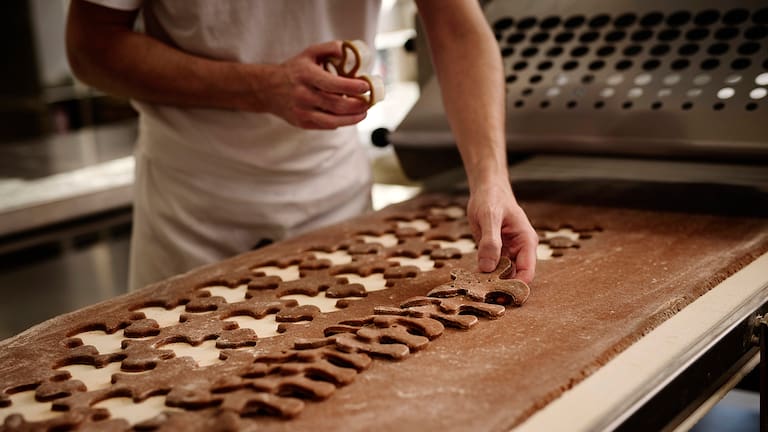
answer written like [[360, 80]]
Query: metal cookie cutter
[[356, 56]]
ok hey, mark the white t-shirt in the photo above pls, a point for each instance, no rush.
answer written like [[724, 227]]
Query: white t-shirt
[[212, 183], [210, 141]]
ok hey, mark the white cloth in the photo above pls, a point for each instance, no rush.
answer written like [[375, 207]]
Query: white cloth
[[175, 230], [212, 183]]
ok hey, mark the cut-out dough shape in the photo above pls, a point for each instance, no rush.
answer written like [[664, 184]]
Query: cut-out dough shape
[[325, 304], [356, 57], [420, 225], [290, 273], [386, 240], [124, 407], [453, 212], [464, 245], [164, 317], [230, 295], [204, 354], [24, 403], [496, 287], [565, 232], [104, 342], [95, 378], [336, 258], [372, 282], [423, 262], [264, 327], [543, 252], [553, 242]]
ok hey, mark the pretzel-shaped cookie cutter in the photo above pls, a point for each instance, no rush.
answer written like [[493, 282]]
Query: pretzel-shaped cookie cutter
[[356, 56]]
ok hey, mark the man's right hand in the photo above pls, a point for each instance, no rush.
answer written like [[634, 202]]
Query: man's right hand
[[307, 96], [105, 52]]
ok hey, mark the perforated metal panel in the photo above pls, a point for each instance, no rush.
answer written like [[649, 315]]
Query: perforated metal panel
[[651, 78]]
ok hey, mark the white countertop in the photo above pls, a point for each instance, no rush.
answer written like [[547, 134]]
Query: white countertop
[[98, 185]]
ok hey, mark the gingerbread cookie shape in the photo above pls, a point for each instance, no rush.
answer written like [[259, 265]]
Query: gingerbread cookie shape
[[496, 287], [356, 56]]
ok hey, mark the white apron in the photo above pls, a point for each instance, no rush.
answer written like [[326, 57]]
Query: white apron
[[214, 183]]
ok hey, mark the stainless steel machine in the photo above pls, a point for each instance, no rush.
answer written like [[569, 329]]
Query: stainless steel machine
[[642, 79]]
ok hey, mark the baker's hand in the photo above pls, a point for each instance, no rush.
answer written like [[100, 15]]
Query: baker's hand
[[500, 226], [309, 97]]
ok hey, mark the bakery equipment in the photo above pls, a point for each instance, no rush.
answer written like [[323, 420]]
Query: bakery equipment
[[644, 79], [649, 92]]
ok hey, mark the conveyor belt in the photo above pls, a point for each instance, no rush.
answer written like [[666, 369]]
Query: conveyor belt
[[644, 251]]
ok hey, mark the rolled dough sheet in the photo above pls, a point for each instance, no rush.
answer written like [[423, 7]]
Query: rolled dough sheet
[[644, 252]]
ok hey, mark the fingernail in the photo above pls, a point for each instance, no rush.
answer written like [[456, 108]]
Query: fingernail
[[486, 264]]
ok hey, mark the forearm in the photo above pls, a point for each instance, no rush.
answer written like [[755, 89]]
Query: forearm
[[108, 55], [469, 69]]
